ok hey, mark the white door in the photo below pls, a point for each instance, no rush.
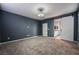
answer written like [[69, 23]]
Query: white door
[[45, 29], [67, 26]]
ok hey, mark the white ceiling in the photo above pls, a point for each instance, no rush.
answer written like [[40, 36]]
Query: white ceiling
[[31, 9]]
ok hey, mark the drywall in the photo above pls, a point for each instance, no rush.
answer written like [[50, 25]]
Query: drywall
[[16, 27], [75, 15], [0, 26], [78, 27]]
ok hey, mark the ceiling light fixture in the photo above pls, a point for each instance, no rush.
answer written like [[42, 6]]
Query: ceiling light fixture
[[40, 15], [41, 12]]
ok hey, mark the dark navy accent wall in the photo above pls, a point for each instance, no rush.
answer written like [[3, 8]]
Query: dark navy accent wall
[[78, 26], [15, 27], [40, 28], [0, 26], [75, 26], [50, 26]]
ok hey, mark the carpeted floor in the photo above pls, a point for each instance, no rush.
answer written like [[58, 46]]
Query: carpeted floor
[[39, 46]]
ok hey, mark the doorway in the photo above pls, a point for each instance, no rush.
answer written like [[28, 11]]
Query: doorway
[[45, 29]]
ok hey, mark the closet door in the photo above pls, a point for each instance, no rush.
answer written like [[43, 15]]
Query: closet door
[[67, 28]]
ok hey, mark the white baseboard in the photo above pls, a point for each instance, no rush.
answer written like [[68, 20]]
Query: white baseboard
[[18, 40]]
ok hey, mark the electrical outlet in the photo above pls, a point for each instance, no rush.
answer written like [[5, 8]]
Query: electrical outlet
[[28, 26], [27, 35], [48, 29], [8, 38]]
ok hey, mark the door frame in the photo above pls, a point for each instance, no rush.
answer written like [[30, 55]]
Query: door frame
[[45, 29]]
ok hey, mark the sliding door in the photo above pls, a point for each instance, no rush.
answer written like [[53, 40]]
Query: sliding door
[[67, 28]]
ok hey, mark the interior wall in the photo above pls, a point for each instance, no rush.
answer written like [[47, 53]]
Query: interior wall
[[78, 26], [0, 26], [67, 27], [15, 27], [75, 15]]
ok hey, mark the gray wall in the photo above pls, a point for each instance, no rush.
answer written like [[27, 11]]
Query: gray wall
[[15, 27], [0, 26], [75, 15], [78, 26]]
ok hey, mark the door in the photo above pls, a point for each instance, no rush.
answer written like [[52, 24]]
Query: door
[[45, 29], [67, 27]]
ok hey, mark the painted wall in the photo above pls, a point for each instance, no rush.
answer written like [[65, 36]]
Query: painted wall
[[0, 26], [78, 27], [67, 27], [75, 15], [50, 26], [16, 27]]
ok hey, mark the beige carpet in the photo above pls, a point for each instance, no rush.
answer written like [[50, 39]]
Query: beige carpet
[[39, 46]]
